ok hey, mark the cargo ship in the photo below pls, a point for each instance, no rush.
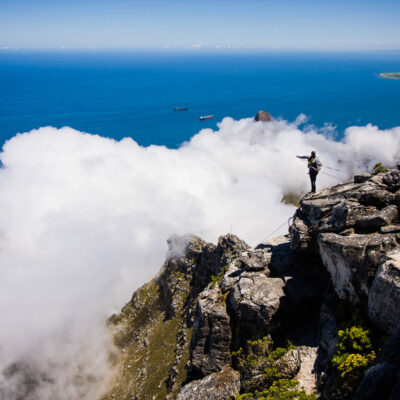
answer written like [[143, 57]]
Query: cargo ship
[[205, 117], [180, 108]]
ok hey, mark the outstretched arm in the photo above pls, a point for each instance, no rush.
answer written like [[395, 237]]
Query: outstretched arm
[[304, 157]]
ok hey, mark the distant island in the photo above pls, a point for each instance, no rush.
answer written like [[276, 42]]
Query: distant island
[[390, 75]]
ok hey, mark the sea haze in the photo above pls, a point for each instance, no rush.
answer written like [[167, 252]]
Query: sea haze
[[132, 94]]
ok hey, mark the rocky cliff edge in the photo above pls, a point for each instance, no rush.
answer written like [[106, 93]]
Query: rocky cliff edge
[[317, 310]]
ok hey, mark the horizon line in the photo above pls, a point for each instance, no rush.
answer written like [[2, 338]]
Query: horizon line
[[198, 50]]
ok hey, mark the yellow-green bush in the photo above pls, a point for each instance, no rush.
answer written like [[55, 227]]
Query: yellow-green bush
[[354, 354], [354, 363], [354, 340]]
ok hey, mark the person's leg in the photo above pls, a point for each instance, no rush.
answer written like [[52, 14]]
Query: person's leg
[[313, 177]]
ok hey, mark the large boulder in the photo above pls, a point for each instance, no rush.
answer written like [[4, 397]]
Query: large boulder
[[211, 340], [342, 256], [377, 198], [253, 301], [263, 116], [352, 261], [223, 385], [301, 232], [375, 221]]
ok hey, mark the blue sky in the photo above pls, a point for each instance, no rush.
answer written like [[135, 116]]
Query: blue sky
[[278, 24]]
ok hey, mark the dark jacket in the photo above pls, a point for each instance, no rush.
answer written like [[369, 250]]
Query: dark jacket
[[314, 164]]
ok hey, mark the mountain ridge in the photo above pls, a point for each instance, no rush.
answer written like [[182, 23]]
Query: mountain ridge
[[318, 306]]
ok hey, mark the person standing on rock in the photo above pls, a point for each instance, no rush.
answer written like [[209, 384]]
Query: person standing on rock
[[314, 166]]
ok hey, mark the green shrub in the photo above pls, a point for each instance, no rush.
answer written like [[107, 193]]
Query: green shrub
[[281, 389], [266, 373], [378, 168]]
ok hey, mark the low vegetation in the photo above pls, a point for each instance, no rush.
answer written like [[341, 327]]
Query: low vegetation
[[379, 168], [268, 373], [147, 341], [354, 354], [216, 280], [292, 199], [356, 349]]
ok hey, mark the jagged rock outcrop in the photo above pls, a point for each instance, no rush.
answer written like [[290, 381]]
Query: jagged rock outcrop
[[179, 334], [349, 225]]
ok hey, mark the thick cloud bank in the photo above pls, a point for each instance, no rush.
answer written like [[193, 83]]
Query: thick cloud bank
[[84, 221]]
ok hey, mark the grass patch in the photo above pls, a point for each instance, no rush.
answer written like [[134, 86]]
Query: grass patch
[[291, 198], [148, 343]]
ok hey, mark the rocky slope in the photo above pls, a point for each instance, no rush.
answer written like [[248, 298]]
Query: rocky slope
[[331, 289]]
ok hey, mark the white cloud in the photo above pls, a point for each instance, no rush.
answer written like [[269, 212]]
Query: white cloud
[[85, 220]]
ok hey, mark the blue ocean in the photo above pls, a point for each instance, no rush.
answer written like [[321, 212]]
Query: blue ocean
[[133, 93]]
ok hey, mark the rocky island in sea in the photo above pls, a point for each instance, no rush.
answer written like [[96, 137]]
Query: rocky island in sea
[[311, 315], [390, 75]]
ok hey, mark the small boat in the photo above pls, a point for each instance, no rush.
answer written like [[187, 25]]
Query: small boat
[[180, 109], [205, 117]]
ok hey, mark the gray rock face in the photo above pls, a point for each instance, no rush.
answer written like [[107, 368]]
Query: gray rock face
[[392, 179], [243, 303], [211, 340], [353, 260], [255, 260], [301, 232], [377, 383], [224, 385], [377, 198], [351, 227], [341, 257], [253, 301], [375, 221], [210, 347], [384, 296]]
